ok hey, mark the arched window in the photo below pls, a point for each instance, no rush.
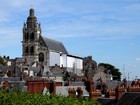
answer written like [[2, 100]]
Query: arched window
[[32, 36], [26, 50], [26, 37], [32, 50], [41, 57]]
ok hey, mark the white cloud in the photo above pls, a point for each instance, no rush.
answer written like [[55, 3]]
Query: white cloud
[[4, 16], [131, 65], [70, 20], [10, 37], [133, 7], [138, 59]]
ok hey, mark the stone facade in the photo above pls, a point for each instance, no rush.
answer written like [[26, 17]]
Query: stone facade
[[100, 73], [31, 34], [34, 46], [89, 66], [48, 52]]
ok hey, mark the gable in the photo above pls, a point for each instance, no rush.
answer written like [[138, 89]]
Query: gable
[[56, 69], [98, 75], [41, 42]]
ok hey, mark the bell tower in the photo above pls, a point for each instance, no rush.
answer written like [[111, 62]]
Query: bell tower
[[31, 34]]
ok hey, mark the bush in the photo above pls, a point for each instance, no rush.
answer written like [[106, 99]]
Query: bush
[[24, 98]]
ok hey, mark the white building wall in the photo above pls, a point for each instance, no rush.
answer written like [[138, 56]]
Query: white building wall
[[70, 62], [54, 58], [80, 63], [9, 63], [63, 60], [75, 63]]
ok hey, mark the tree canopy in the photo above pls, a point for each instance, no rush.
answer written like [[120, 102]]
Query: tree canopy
[[114, 71], [1, 61]]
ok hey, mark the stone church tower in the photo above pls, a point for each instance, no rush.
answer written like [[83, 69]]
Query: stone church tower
[[46, 51], [31, 34], [35, 47]]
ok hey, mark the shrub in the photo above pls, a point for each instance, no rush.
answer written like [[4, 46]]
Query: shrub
[[24, 98]]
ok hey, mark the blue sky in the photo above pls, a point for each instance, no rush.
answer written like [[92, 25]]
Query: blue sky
[[109, 30]]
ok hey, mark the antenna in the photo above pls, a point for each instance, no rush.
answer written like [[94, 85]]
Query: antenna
[[123, 71], [129, 75]]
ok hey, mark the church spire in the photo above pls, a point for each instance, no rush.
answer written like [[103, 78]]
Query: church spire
[[31, 12], [31, 20], [31, 34]]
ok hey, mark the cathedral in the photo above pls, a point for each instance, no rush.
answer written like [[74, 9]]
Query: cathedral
[[37, 48]]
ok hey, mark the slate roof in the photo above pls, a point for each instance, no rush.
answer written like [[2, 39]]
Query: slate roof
[[75, 56], [129, 99], [56, 69], [10, 79], [107, 101], [3, 68], [54, 45], [35, 69], [20, 60]]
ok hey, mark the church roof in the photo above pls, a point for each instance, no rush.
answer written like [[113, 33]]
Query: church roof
[[54, 45]]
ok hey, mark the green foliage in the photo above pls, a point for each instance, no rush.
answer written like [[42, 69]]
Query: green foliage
[[24, 98], [66, 76], [114, 71], [1, 61]]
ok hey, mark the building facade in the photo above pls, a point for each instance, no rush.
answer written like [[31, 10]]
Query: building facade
[[36, 48]]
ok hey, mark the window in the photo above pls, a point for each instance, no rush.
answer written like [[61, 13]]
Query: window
[[32, 50], [41, 57], [26, 50], [41, 43], [26, 37], [32, 36]]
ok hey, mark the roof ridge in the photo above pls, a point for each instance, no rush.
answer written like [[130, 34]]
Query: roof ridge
[[51, 39]]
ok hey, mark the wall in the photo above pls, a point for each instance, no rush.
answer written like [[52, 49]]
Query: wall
[[100, 74], [37, 86], [76, 64], [54, 58], [63, 60]]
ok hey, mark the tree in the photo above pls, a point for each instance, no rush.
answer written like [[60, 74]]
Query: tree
[[114, 71], [1, 61], [66, 76]]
